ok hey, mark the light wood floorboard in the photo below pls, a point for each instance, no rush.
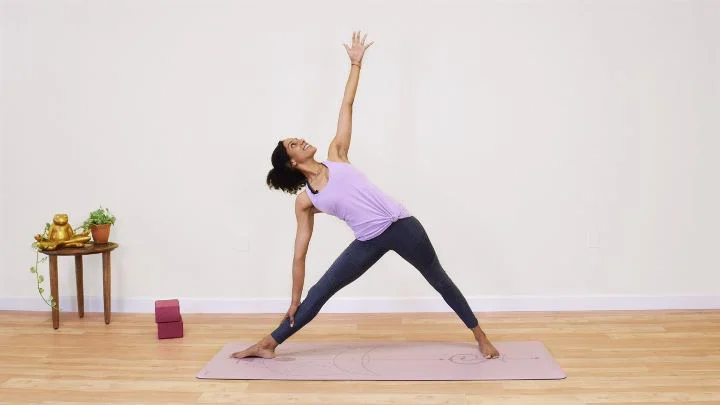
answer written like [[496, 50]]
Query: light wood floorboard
[[610, 357]]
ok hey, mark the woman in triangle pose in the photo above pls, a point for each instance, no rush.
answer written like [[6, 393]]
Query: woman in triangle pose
[[380, 224]]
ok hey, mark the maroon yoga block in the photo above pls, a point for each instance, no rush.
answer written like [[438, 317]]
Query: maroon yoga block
[[169, 330], [167, 311]]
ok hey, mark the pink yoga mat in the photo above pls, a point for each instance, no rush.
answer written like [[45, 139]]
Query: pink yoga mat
[[397, 361]]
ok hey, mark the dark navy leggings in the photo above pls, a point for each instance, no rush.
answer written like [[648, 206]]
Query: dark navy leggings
[[407, 238]]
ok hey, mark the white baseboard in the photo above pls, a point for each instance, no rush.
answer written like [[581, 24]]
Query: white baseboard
[[385, 305]]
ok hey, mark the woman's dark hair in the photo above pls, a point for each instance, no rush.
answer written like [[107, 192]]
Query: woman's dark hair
[[282, 176]]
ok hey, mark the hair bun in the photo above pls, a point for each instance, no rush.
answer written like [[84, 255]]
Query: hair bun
[[282, 176]]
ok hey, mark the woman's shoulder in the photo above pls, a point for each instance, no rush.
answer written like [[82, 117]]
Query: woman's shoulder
[[337, 161], [342, 168], [339, 165]]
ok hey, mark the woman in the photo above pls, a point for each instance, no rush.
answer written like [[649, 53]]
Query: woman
[[380, 224]]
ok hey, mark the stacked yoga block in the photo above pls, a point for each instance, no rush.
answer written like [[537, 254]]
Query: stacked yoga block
[[168, 319]]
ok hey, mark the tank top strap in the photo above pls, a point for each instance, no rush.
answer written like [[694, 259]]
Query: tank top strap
[[311, 193]]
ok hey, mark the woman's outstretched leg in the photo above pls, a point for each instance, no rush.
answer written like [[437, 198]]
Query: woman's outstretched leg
[[412, 243], [354, 261]]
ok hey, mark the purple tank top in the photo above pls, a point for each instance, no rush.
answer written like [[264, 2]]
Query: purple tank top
[[350, 196]]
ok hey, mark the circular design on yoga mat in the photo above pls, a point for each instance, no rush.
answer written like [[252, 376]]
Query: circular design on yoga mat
[[354, 360], [467, 358]]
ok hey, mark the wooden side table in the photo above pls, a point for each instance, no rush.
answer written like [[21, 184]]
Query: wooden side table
[[88, 249]]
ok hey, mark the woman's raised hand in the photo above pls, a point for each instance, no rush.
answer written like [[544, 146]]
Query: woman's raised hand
[[358, 47]]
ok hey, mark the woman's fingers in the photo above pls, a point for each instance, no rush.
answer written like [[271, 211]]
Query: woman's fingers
[[291, 315], [358, 40]]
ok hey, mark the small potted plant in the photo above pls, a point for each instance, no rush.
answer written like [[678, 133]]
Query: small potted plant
[[99, 222]]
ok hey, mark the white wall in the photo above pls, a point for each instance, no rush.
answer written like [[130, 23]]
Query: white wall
[[559, 153]]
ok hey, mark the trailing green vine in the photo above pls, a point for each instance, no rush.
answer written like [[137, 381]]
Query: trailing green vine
[[50, 301]]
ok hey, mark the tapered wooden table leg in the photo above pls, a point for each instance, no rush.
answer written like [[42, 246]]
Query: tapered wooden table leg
[[54, 291], [106, 285], [79, 284]]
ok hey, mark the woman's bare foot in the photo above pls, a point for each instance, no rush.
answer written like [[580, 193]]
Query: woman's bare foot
[[486, 348], [265, 348]]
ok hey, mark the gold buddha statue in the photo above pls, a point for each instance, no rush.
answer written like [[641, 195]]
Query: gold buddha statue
[[60, 234]]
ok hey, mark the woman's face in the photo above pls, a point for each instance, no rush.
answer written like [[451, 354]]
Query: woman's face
[[299, 150]]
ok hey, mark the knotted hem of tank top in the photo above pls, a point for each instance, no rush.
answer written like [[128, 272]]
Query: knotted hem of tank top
[[392, 218]]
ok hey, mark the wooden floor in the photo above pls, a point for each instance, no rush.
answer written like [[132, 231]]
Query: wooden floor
[[609, 357]]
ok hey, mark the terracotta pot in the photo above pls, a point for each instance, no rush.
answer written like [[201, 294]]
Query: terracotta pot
[[100, 233]]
